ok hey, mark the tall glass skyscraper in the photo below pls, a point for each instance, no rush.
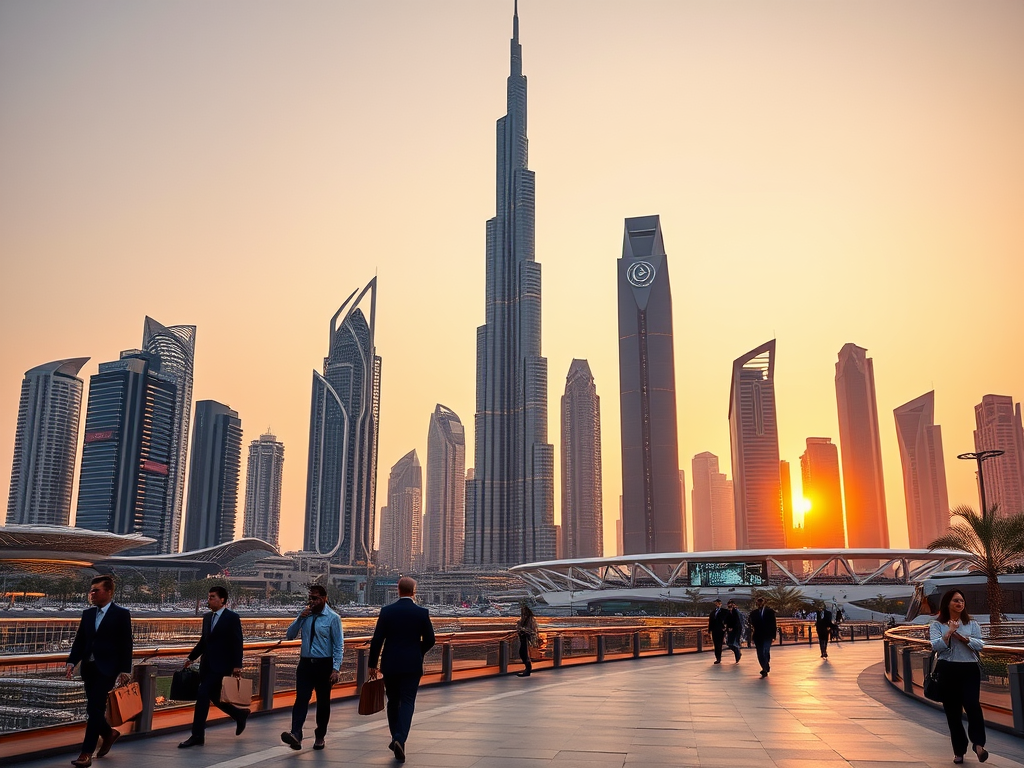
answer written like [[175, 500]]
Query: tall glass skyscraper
[[213, 476], [714, 513], [512, 518], [754, 439], [401, 521], [652, 513], [924, 472], [46, 444], [263, 490], [175, 347], [819, 471], [582, 508], [444, 514], [341, 478], [998, 426]]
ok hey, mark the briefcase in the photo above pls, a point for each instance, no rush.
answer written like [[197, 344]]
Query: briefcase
[[237, 691], [185, 685], [124, 703], [371, 698]]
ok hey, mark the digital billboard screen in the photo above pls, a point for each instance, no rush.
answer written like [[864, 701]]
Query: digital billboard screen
[[728, 574]]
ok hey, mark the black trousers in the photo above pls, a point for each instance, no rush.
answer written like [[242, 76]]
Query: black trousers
[[718, 638], [961, 689], [312, 675], [401, 692], [733, 641], [823, 638], [209, 693], [97, 686], [524, 651]]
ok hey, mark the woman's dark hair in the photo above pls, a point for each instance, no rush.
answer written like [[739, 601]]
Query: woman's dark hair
[[944, 607], [525, 612]]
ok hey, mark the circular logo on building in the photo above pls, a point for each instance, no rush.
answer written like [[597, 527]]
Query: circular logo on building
[[640, 274]]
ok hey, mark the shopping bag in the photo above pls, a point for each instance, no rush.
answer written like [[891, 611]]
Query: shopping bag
[[125, 703], [371, 698], [185, 685], [237, 691]]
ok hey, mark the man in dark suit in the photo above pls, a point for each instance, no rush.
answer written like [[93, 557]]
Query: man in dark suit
[[220, 645], [734, 626], [716, 626], [823, 626], [762, 633], [103, 645], [404, 630]]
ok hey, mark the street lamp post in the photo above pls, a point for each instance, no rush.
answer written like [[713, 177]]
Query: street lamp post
[[980, 456]]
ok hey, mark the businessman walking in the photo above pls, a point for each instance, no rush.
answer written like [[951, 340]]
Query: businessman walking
[[220, 645], [762, 632], [716, 626], [406, 634], [103, 645]]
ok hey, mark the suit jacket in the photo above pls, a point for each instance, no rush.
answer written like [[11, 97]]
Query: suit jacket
[[716, 623], [733, 620], [221, 648], [823, 623], [762, 628], [110, 645], [406, 634]]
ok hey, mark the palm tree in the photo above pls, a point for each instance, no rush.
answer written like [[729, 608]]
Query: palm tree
[[993, 544], [785, 600]]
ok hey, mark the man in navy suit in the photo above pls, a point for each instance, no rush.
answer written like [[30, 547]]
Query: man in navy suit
[[404, 630], [716, 626], [103, 645], [763, 628], [220, 645]]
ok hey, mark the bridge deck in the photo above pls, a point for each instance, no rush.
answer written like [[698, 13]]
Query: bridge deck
[[657, 711]]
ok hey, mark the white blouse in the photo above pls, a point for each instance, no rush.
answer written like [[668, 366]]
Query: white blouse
[[956, 650]]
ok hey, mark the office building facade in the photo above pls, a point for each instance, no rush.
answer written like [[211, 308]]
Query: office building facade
[[213, 476], [998, 427], [444, 518], [263, 475], [819, 472], [714, 513], [582, 528], [401, 521], [924, 473]]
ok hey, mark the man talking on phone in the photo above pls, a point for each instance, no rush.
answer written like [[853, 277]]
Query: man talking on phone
[[319, 665]]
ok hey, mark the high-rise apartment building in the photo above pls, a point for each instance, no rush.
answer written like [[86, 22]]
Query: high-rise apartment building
[[512, 518], [867, 524], [263, 476], [401, 521], [129, 433], [714, 512], [46, 444], [924, 474], [582, 528], [754, 438], [175, 347], [444, 518], [213, 476], [998, 427], [341, 477], [819, 471], [651, 503]]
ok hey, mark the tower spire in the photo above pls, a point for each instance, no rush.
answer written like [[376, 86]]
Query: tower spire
[[515, 21]]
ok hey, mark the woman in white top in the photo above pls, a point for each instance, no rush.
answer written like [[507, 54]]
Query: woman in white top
[[956, 638]]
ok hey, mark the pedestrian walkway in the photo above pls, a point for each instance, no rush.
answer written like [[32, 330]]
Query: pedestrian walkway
[[653, 712]]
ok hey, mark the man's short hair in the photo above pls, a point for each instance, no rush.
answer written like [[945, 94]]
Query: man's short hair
[[718, 599], [219, 591], [406, 586], [106, 580], [318, 589]]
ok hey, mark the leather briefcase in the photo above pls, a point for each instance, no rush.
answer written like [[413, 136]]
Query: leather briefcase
[[124, 703], [371, 698], [185, 685], [237, 691]]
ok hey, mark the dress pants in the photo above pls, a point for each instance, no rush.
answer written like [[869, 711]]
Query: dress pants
[[823, 642], [401, 691], [524, 651], [733, 642], [97, 686], [961, 688], [209, 693], [718, 638], [312, 675], [764, 654]]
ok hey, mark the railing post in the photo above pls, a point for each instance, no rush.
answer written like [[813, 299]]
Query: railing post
[[600, 647], [853, 633], [670, 646], [556, 651], [447, 662], [810, 636], [907, 670], [145, 676], [700, 641], [894, 661], [268, 681], [781, 635], [1016, 675], [362, 668], [636, 645], [503, 657]]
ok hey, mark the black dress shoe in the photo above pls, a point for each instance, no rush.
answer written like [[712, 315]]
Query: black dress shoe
[[191, 741], [107, 743], [291, 740], [718, 661], [83, 762], [399, 751], [319, 744], [522, 674], [240, 723]]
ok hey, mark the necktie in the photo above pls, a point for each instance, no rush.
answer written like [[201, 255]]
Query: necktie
[[312, 632], [213, 621], [99, 616]]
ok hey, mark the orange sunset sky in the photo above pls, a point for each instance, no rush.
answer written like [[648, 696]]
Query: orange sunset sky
[[825, 172]]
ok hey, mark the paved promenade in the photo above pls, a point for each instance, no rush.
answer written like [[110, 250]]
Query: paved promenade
[[653, 712]]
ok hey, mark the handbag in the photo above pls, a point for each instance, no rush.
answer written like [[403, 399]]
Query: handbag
[[185, 685], [237, 691], [933, 681], [125, 703], [371, 697]]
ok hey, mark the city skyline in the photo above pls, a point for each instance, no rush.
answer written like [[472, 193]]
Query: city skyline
[[844, 190]]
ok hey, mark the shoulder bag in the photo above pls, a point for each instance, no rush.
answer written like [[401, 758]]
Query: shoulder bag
[[933, 680]]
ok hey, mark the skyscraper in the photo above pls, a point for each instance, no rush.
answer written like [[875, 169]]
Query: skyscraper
[[867, 524], [819, 470], [444, 518], [714, 512], [263, 476], [46, 444], [651, 502], [341, 478], [794, 533], [513, 517], [999, 427], [924, 474], [582, 528], [682, 505], [175, 347], [129, 430], [754, 438], [213, 476], [401, 521]]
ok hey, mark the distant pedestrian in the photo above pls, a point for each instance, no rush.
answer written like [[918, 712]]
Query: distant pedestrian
[[734, 629], [405, 633], [824, 627], [323, 646], [529, 637], [763, 628], [103, 645], [716, 626]]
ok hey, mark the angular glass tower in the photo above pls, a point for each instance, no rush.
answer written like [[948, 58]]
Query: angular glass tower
[[998, 422], [46, 444], [175, 347], [213, 476], [444, 514], [924, 472], [263, 490], [401, 521], [511, 518], [341, 479], [652, 511], [582, 509]]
